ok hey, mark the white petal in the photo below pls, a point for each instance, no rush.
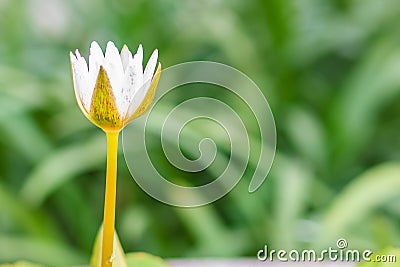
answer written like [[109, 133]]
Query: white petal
[[96, 59], [80, 75], [133, 79], [144, 85], [115, 72], [125, 56], [82, 64], [151, 66], [76, 74], [138, 59], [137, 71], [128, 86], [137, 99]]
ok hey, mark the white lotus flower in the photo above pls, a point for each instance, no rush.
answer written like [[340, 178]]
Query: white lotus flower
[[114, 89]]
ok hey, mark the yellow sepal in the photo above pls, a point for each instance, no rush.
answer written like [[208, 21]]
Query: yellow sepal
[[119, 255], [103, 108]]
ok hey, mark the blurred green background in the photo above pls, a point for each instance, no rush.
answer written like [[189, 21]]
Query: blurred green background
[[329, 69]]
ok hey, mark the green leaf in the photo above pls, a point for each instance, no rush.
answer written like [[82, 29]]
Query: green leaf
[[21, 264], [32, 222], [311, 144], [61, 166], [365, 193], [294, 198], [372, 85], [119, 256], [144, 260], [33, 147], [48, 253]]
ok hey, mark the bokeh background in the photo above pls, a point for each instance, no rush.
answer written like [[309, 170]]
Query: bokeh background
[[329, 69]]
